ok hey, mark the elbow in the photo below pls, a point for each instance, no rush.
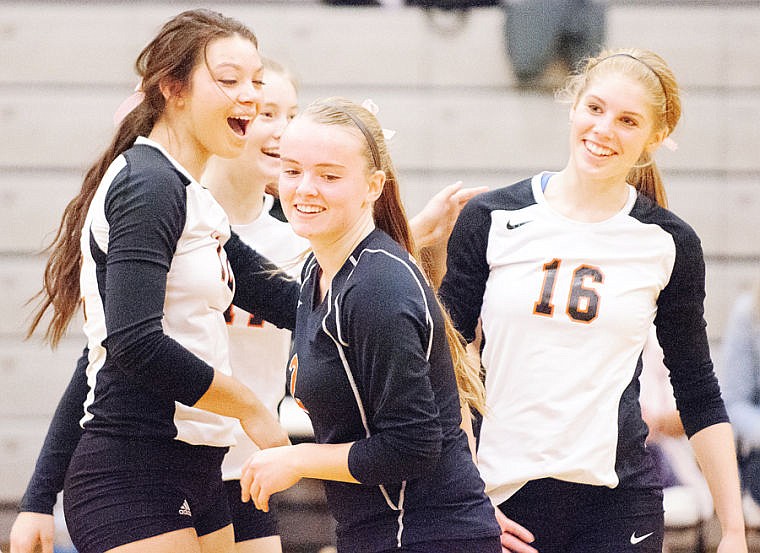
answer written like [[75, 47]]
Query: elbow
[[419, 457], [422, 463], [374, 462]]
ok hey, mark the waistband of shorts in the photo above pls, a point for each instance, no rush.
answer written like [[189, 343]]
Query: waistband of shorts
[[137, 451]]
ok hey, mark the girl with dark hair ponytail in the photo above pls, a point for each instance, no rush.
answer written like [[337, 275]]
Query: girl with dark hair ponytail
[[142, 249]]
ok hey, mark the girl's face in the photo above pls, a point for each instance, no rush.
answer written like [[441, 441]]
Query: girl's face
[[611, 125], [326, 188], [223, 97], [278, 107]]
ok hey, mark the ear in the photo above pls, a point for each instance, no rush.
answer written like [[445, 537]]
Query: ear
[[375, 185], [172, 91], [656, 140]]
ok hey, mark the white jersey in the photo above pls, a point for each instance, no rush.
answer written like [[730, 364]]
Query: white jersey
[[155, 283], [259, 350], [566, 308]]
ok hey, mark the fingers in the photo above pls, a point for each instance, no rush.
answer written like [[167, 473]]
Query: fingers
[[513, 545], [514, 537], [255, 490], [262, 501], [450, 190], [246, 479], [511, 527], [466, 194]]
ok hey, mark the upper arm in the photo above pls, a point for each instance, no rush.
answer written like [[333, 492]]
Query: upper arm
[[467, 269]]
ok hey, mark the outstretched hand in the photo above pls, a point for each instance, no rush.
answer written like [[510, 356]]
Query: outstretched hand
[[435, 222], [514, 538]]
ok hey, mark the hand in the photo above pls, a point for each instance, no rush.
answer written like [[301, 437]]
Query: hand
[[267, 472], [31, 531], [514, 538], [435, 222], [265, 431]]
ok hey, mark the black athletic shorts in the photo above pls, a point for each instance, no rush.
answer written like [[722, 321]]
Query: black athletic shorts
[[248, 522], [482, 545], [119, 490], [566, 517]]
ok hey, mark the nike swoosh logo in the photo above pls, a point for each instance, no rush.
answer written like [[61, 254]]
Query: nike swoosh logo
[[510, 226], [637, 539]]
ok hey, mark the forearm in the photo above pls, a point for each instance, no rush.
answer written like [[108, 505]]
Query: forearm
[[715, 452], [324, 462], [60, 442], [227, 396], [261, 287]]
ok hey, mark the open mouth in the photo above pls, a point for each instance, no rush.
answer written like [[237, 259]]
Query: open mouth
[[239, 124]]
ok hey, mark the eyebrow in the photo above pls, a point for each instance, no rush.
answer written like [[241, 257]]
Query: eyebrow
[[321, 165], [257, 72], [598, 99]]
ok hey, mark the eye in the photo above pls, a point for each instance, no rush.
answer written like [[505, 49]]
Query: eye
[[291, 172], [267, 114], [258, 84], [630, 122], [594, 108], [228, 82], [330, 177]]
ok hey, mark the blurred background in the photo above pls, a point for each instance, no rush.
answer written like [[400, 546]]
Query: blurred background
[[459, 94]]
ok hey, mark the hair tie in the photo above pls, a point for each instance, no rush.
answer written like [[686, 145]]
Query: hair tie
[[371, 107], [128, 105], [670, 144]]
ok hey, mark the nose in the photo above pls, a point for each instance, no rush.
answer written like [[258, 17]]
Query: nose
[[250, 94], [281, 123], [305, 185], [604, 124]]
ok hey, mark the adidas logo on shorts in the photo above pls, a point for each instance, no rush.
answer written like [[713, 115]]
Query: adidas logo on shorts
[[185, 509]]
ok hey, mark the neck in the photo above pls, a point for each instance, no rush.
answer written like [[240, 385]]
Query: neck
[[584, 199], [240, 193], [189, 154], [332, 255]]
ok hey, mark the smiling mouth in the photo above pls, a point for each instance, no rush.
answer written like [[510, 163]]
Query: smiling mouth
[[598, 150], [239, 124], [308, 209]]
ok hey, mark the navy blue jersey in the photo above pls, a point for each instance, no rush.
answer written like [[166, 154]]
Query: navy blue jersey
[[371, 365], [566, 307]]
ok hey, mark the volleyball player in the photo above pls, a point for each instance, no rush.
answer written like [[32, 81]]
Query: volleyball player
[[155, 282], [566, 271], [372, 358]]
